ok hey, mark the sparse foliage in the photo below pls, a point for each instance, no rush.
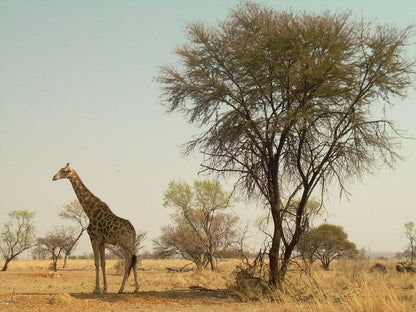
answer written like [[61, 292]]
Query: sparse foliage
[[410, 234], [75, 213], [290, 104], [201, 226], [57, 241], [39, 252], [312, 210], [17, 236]]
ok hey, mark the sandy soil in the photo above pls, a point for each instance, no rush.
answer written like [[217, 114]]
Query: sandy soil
[[145, 301], [30, 286]]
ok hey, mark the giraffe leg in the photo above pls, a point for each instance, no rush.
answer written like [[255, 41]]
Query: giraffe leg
[[102, 258], [136, 280], [96, 252], [127, 265]]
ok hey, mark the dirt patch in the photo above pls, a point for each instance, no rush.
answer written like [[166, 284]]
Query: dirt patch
[[195, 300]]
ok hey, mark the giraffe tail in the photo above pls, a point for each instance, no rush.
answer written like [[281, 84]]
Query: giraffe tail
[[133, 263]]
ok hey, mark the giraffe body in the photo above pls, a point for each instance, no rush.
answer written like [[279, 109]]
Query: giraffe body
[[104, 228]]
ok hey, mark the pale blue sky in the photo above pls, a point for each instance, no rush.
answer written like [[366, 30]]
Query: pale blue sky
[[77, 85]]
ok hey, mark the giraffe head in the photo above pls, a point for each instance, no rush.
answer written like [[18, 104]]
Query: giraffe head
[[64, 173]]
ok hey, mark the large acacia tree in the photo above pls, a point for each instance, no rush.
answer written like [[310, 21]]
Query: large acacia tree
[[289, 103]]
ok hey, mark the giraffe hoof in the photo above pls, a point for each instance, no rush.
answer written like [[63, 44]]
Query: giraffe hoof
[[96, 291]]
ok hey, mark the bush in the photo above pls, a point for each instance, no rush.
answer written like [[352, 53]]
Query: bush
[[251, 280]]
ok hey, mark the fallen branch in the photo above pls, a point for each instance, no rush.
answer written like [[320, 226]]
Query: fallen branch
[[181, 270], [201, 288]]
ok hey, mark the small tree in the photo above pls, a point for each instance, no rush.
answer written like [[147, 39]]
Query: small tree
[[202, 227], [410, 234], [398, 255], [180, 240], [39, 252], [328, 242], [75, 213], [57, 241], [17, 236]]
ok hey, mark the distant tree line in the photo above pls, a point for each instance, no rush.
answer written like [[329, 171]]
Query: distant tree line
[[203, 229], [19, 235]]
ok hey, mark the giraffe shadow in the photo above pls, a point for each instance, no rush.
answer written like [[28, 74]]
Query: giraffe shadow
[[161, 296]]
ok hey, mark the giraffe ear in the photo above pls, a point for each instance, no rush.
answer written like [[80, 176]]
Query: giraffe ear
[[67, 165]]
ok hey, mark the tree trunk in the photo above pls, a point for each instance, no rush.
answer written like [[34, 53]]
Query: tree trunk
[[55, 263], [199, 262], [277, 266], [325, 264], [6, 264], [65, 258], [274, 277]]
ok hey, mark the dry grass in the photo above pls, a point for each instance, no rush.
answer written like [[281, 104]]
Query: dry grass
[[350, 287], [347, 287]]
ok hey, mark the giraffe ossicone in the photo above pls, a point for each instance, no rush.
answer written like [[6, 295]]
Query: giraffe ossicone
[[104, 228]]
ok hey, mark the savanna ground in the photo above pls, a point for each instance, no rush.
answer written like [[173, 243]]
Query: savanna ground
[[28, 285]]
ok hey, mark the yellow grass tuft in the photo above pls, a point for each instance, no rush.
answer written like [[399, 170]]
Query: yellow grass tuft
[[61, 299]]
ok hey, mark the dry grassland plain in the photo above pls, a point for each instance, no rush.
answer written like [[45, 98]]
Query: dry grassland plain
[[28, 285]]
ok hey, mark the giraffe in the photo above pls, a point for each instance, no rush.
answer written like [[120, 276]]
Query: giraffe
[[104, 228]]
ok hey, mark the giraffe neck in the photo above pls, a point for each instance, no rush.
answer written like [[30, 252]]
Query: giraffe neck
[[86, 198]]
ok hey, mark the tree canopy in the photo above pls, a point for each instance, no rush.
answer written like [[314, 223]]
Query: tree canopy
[[328, 242], [289, 103], [202, 226], [57, 241]]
